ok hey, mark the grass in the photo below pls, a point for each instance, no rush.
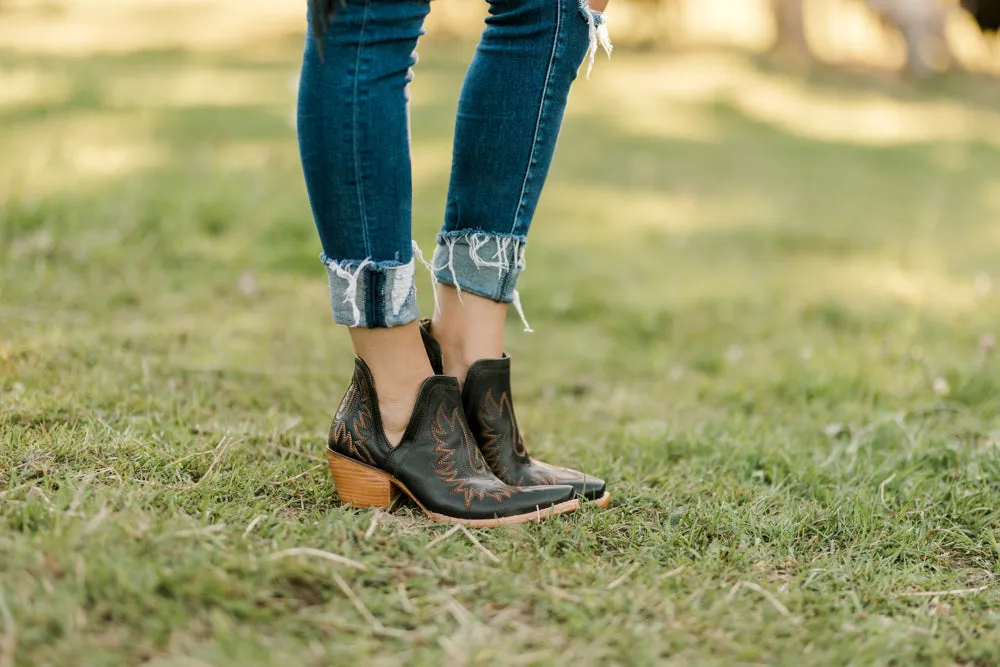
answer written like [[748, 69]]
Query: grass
[[764, 310]]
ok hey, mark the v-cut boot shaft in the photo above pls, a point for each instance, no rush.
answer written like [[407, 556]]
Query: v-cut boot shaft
[[436, 463]]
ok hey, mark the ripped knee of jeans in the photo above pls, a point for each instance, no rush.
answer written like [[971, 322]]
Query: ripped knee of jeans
[[597, 23]]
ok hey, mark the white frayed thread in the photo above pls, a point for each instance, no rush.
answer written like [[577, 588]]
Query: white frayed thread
[[450, 243], [503, 244], [476, 242], [402, 285], [520, 311], [598, 35], [351, 291], [419, 254], [508, 250], [501, 258]]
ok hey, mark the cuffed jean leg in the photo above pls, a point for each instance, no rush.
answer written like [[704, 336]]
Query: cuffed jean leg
[[368, 294], [354, 141], [509, 115]]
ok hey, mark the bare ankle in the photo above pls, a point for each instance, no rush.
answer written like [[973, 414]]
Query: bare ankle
[[399, 366], [453, 355], [396, 412], [468, 329], [455, 368], [397, 394]]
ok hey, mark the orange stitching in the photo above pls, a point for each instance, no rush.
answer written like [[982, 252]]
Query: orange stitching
[[354, 441], [542, 478], [493, 411], [490, 435], [519, 440], [346, 405], [446, 467]]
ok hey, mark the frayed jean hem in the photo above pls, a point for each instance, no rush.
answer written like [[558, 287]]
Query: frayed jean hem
[[371, 294], [482, 263]]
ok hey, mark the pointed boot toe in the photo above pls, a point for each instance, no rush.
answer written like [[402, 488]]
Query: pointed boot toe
[[585, 486], [436, 463]]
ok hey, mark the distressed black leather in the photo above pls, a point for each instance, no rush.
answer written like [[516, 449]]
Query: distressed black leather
[[437, 459], [489, 408]]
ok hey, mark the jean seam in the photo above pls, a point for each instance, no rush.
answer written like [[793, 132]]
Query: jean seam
[[502, 285], [354, 132], [541, 114], [371, 297]]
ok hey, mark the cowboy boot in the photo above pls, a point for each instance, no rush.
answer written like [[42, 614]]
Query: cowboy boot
[[489, 408], [436, 464]]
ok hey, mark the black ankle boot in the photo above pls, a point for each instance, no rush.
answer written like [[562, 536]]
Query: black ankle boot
[[437, 463], [488, 405]]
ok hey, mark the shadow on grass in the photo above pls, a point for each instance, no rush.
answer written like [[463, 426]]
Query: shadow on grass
[[756, 203]]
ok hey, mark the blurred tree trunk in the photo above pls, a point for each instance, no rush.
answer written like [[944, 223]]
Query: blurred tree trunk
[[790, 28], [923, 26]]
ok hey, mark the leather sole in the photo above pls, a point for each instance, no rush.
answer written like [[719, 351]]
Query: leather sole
[[361, 485], [601, 502]]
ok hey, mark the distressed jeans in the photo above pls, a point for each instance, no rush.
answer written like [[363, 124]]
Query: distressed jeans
[[354, 140]]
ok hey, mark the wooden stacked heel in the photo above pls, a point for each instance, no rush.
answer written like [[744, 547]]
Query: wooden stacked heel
[[359, 485]]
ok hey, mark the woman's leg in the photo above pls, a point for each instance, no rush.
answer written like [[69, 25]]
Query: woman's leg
[[398, 427], [353, 127], [509, 117]]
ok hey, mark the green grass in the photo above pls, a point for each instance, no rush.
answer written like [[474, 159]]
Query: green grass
[[773, 342]]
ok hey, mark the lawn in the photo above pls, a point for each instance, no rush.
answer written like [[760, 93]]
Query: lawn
[[764, 308]]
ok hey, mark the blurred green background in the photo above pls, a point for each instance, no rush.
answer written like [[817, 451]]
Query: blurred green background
[[763, 295]]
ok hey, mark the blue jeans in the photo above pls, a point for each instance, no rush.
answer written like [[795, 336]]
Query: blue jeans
[[354, 140]]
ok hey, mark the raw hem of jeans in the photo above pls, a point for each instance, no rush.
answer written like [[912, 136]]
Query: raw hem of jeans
[[469, 233], [486, 264], [367, 294], [597, 28], [349, 264], [387, 324], [468, 288], [466, 261]]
